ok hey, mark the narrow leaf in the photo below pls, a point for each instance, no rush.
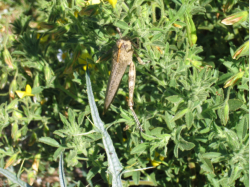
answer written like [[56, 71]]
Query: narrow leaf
[[13, 178], [58, 152], [189, 119], [92, 172], [139, 148], [121, 25], [62, 179], [180, 114], [49, 141]]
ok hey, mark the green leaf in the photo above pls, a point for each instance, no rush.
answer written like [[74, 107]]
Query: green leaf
[[211, 155], [178, 133], [115, 166], [72, 159], [180, 114], [60, 133], [37, 90], [148, 137], [242, 126], [49, 141], [71, 115], [92, 172], [234, 104], [156, 131], [167, 118], [246, 179], [18, 53], [176, 152], [139, 148], [184, 145], [62, 179], [13, 178], [136, 177], [232, 139], [223, 113], [81, 118], [207, 165], [235, 174], [64, 120], [158, 43], [156, 29], [156, 37], [214, 182], [58, 152], [121, 25], [189, 119], [175, 99]]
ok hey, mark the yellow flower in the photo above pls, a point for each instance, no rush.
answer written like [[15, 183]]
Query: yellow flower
[[112, 2], [27, 92], [42, 39], [83, 58], [93, 2], [157, 163]]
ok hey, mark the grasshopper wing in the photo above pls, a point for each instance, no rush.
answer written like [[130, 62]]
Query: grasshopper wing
[[122, 56]]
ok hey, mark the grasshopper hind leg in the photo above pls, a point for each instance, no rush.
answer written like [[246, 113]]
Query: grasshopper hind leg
[[131, 83]]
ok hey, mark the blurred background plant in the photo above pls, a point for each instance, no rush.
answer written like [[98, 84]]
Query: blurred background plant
[[192, 97]]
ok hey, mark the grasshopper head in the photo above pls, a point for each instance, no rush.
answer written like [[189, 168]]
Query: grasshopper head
[[125, 44]]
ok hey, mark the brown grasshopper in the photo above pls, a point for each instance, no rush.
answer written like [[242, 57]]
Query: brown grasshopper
[[122, 57]]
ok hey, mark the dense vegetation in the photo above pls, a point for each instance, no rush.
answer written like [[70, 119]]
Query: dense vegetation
[[191, 96]]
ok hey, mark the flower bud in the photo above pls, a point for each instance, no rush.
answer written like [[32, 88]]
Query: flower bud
[[238, 18], [177, 25], [7, 58], [191, 30], [2, 28], [3, 80], [32, 139], [15, 133], [12, 89], [243, 50], [61, 30], [233, 80], [36, 83], [48, 74], [11, 160]]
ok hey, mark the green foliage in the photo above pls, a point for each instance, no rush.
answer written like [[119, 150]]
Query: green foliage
[[191, 96]]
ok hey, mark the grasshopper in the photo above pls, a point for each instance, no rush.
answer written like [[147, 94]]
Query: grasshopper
[[122, 57]]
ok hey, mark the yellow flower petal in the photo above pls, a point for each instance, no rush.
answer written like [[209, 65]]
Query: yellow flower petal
[[27, 92], [21, 94], [112, 2], [155, 163], [28, 89], [83, 57]]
